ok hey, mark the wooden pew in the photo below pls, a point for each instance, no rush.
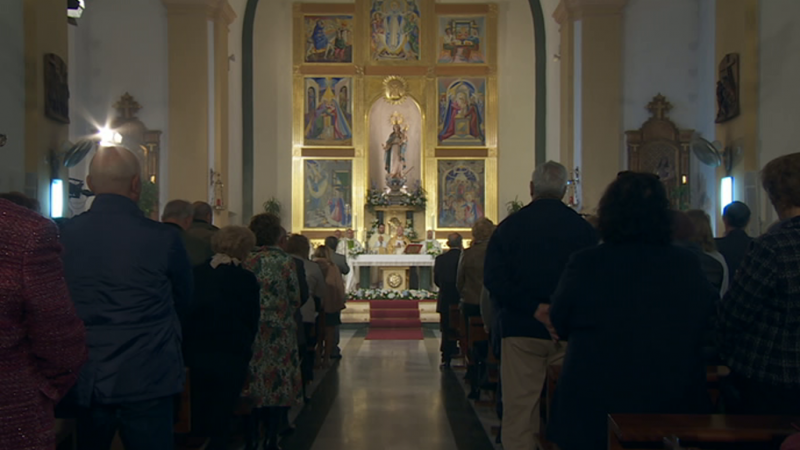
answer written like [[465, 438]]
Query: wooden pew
[[713, 376], [456, 331], [647, 431]]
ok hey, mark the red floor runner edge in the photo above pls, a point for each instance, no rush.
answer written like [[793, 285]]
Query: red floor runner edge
[[394, 334]]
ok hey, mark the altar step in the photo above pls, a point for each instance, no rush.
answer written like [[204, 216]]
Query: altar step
[[394, 314], [379, 313], [359, 311]]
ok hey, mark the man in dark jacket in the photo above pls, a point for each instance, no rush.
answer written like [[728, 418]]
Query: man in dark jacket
[[129, 277], [445, 275], [734, 245], [178, 215], [524, 261], [201, 227]]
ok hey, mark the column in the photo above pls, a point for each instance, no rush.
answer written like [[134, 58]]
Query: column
[[45, 28], [591, 93], [198, 98]]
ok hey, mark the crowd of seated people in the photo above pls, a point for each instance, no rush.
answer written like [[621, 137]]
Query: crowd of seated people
[[104, 320]]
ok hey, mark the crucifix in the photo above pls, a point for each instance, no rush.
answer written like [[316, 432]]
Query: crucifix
[[659, 106], [127, 106]]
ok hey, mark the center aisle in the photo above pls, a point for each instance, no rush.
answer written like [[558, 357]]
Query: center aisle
[[389, 395]]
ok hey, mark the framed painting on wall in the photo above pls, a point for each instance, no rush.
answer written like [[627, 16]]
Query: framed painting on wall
[[461, 40], [328, 111], [327, 193], [395, 30], [461, 192], [462, 111], [328, 38]]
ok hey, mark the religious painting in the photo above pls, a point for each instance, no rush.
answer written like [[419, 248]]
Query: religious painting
[[728, 88], [328, 193], [328, 111], [56, 88], [395, 144], [328, 39], [462, 111], [462, 40], [462, 193], [395, 30]]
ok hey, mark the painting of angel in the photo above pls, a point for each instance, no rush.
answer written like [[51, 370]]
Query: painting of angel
[[328, 111], [327, 200], [395, 30]]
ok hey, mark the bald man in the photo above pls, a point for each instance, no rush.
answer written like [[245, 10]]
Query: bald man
[[129, 277]]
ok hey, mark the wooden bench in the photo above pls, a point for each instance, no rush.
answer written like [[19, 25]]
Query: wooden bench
[[712, 431]]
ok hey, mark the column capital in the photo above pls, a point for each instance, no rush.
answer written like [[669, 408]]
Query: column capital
[[579, 9], [213, 9]]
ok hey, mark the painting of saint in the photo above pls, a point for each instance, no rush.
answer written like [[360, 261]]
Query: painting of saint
[[328, 39], [462, 111], [328, 111], [462, 40], [327, 201], [395, 30], [461, 192]]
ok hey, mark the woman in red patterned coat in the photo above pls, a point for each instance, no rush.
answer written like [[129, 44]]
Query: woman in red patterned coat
[[42, 340]]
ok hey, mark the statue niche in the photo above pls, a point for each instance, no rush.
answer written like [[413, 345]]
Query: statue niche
[[395, 146], [659, 147]]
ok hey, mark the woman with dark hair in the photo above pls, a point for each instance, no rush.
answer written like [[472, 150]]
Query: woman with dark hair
[[275, 383], [634, 311]]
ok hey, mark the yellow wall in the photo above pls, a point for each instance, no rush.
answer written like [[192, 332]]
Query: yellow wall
[[737, 32], [45, 32]]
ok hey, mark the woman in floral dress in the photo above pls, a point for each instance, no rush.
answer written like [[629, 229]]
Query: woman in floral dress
[[276, 383]]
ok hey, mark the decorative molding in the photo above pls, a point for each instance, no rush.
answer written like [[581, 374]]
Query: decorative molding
[[581, 9], [213, 9]]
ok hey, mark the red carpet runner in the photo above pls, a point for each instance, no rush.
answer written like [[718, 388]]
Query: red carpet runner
[[394, 320]]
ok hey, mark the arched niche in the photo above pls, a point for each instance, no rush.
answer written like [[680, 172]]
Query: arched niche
[[383, 116]]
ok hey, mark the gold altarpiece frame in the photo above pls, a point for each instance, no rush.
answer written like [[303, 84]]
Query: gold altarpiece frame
[[367, 84]]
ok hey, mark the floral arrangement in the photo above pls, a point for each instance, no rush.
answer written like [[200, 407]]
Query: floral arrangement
[[388, 294], [433, 251], [355, 251], [416, 198], [410, 232], [376, 198]]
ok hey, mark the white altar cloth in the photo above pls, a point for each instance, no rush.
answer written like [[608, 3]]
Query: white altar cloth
[[392, 260]]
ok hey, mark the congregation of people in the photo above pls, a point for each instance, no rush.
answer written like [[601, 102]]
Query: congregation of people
[[108, 316], [104, 314], [632, 304]]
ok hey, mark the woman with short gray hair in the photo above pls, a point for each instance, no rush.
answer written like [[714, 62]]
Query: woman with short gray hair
[[219, 333]]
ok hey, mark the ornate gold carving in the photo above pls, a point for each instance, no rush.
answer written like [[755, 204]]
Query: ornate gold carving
[[360, 71], [127, 107], [395, 280], [395, 89]]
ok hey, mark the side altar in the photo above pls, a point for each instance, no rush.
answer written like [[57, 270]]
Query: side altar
[[394, 270]]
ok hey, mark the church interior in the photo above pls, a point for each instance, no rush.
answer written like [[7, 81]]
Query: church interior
[[398, 127]]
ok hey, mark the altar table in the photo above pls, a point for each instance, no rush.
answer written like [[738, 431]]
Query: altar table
[[365, 262]]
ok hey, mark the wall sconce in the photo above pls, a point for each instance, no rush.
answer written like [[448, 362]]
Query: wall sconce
[[109, 137], [56, 198], [725, 192]]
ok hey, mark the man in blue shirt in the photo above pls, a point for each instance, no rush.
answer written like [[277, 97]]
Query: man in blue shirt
[[129, 278]]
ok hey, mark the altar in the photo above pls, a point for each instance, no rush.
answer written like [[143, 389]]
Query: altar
[[394, 270]]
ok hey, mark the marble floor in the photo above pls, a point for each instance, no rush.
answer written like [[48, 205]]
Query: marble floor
[[388, 395]]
